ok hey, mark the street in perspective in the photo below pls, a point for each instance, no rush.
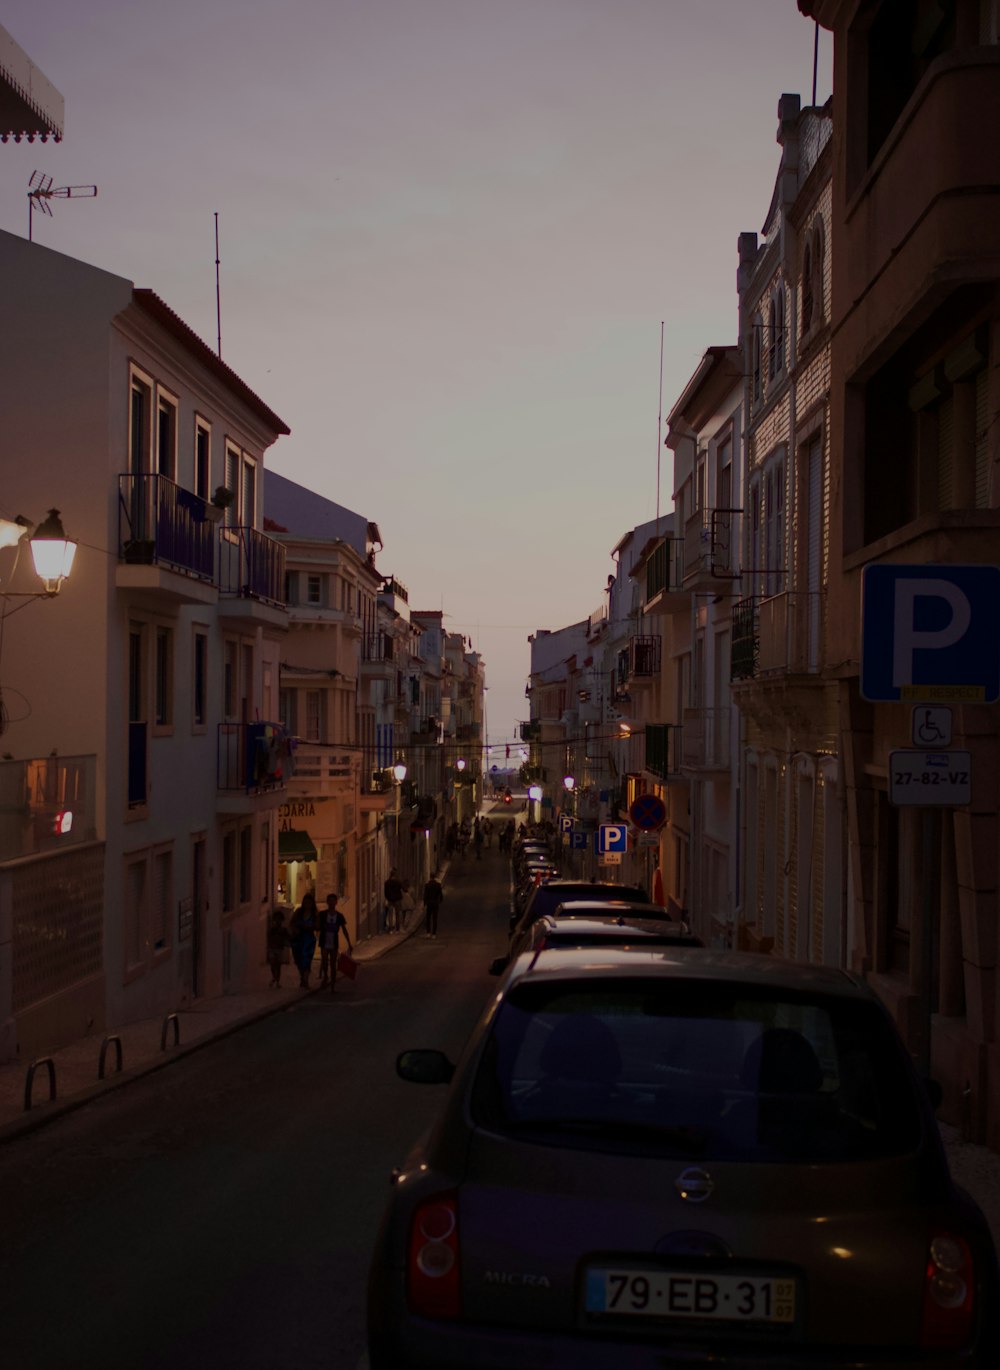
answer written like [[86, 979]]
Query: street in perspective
[[478, 889]]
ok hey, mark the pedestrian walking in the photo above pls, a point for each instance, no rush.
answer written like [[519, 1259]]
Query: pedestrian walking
[[305, 925], [393, 890], [333, 924], [406, 905], [433, 896], [477, 840], [278, 948]]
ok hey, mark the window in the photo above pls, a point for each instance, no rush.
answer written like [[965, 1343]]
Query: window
[[200, 683], [774, 527], [135, 915], [163, 678], [246, 864], [230, 672], [139, 427], [314, 709], [202, 461], [314, 589], [166, 437], [232, 485], [136, 704], [247, 684], [772, 337], [902, 42], [291, 587], [162, 901], [229, 871], [248, 494], [286, 710], [756, 329], [807, 288]]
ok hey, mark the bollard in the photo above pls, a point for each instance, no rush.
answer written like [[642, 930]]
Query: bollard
[[30, 1078], [170, 1018], [112, 1037]]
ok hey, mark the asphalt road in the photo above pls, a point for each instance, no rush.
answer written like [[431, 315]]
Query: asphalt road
[[221, 1214]]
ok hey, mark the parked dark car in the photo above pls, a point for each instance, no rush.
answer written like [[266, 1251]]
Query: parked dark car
[[551, 893], [680, 1158], [602, 926]]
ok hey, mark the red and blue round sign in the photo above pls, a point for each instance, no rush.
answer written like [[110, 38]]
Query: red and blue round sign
[[648, 812]]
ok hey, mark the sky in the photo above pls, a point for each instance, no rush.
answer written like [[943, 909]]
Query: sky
[[451, 236]]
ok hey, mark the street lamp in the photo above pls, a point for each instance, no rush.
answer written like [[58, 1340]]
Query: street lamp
[[399, 772], [51, 551], [569, 782], [460, 763]]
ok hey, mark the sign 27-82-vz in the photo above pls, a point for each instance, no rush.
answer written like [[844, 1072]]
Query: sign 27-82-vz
[[938, 778]]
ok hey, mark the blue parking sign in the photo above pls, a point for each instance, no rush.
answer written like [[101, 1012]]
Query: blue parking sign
[[929, 633], [612, 837]]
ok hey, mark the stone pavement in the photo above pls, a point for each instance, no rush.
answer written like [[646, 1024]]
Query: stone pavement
[[149, 1045]]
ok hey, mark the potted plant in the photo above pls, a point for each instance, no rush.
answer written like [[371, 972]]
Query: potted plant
[[221, 501]]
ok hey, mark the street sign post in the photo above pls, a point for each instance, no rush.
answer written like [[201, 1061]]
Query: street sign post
[[612, 837], [565, 823], [578, 841], [648, 812], [938, 779], [928, 633]]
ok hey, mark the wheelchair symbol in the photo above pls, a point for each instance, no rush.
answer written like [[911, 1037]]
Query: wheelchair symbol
[[931, 727]]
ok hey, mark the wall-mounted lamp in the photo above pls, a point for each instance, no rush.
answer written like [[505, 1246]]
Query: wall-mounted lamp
[[399, 772], [569, 782], [534, 791], [51, 551], [460, 763]]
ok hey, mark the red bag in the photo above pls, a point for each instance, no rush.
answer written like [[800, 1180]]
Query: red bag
[[347, 966]]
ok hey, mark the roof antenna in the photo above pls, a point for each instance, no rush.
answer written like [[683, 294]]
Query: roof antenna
[[41, 191], [218, 298], [815, 60]]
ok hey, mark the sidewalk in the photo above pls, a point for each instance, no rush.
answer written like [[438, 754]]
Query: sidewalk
[[142, 1045]]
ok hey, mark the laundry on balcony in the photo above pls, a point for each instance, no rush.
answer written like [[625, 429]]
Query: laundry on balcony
[[294, 844]]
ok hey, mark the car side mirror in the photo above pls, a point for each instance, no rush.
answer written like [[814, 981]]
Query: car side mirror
[[499, 965], [424, 1066]]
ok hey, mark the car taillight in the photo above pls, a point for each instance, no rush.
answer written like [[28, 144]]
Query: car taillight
[[948, 1292], [434, 1278]]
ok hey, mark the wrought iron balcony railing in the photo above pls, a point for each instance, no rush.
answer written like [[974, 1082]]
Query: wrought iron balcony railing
[[161, 524], [253, 757], [662, 750], [745, 640], [251, 566]]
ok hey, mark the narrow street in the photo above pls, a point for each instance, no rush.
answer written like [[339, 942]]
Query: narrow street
[[221, 1213]]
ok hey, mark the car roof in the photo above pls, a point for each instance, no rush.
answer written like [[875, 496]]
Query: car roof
[[595, 921], [567, 931], [576, 908], [568, 963]]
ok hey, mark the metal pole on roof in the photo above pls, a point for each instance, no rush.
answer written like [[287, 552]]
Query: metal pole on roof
[[218, 298]]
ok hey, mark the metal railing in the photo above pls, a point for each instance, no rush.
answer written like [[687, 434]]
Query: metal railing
[[711, 543], [251, 566], [161, 524], [665, 568], [745, 640], [662, 750], [707, 739], [252, 757]]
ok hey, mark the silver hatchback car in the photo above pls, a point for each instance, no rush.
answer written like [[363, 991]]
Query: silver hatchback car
[[675, 1158]]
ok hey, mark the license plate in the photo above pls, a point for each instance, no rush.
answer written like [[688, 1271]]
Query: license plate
[[689, 1294]]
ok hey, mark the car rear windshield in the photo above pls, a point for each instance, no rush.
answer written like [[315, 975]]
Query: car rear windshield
[[696, 1069]]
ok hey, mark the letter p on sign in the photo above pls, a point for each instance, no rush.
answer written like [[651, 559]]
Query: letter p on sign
[[930, 633]]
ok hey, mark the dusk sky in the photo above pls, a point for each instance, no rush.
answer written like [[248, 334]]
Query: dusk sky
[[449, 233]]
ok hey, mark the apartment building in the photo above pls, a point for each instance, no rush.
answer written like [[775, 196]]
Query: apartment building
[[792, 879], [915, 498], [147, 690]]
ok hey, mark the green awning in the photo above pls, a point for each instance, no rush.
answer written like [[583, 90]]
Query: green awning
[[295, 845]]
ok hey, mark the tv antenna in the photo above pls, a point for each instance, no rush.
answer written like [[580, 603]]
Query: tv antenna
[[41, 191]]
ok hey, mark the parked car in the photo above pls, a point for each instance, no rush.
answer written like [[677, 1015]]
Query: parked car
[[551, 893], [680, 1156], [614, 927]]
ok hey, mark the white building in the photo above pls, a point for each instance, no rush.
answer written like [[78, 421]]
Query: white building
[[143, 699]]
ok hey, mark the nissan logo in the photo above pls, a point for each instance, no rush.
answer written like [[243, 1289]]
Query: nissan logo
[[694, 1185]]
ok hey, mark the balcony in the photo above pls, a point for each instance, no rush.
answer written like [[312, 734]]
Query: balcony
[[745, 640], [252, 759], [377, 649], [662, 750], [166, 539], [664, 578], [138, 764], [790, 626], [252, 576], [711, 549], [47, 804], [321, 771], [531, 730], [707, 738], [636, 665], [467, 732]]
